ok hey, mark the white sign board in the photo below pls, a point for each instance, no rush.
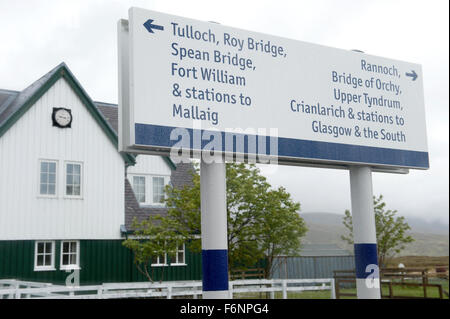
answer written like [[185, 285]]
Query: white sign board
[[303, 102]]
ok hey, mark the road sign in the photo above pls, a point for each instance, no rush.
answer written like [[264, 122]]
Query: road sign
[[199, 85]]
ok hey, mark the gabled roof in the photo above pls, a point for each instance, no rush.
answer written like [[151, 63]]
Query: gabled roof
[[180, 177], [111, 114], [13, 108], [14, 104], [12, 111]]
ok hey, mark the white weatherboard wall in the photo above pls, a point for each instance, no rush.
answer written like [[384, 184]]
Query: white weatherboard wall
[[151, 165], [26, 215]]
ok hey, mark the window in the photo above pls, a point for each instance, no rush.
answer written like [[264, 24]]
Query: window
[[73, 179], [70, 254], [148, 189], [44, 255], [158, 190], [139, 188], [47, 181], [159, 260], [178, 258]]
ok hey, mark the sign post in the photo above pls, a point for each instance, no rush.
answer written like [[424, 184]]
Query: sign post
[[191, 87], [364, 233], [214, 229]]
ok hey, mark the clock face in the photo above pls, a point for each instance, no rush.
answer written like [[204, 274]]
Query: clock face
[[62, 117]]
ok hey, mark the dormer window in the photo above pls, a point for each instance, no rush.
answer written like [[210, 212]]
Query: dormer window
[[149, 189], [158, 189], [139, 188]]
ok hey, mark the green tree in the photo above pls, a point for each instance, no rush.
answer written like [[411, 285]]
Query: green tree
[[281, 228], [262, 222], [153, 237], [390, 229]]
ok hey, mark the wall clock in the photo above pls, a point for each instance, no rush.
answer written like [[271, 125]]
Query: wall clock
[[62, 117]]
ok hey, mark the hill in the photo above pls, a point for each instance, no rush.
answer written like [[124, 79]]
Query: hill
[[431, 239]]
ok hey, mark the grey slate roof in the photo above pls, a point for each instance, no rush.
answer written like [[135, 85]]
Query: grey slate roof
[[6, 97], [181, 176], [110, 113], [9, 108]]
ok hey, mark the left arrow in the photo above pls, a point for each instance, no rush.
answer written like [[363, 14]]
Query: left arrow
[[150, 26]]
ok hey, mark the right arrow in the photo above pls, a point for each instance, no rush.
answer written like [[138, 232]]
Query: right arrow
[[413, 75]]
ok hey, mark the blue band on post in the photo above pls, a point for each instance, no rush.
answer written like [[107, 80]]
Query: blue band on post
[[215, 269], [365, 254]]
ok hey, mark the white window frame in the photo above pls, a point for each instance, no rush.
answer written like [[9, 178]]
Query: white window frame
[[178, 262], [46, 267], [145, 188], [71, 266], [164, 185], [149, 187], [81, 180], [43, 160], [158, 263]]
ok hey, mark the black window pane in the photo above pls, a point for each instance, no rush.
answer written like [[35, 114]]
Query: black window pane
[[65, 260], [65, 247], [40, 260], [40, 248], [48, 260]]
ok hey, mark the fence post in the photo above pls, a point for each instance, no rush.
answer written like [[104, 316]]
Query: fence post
[[284, 284], [272, 293], [230, 289], [169, 292], [333, 289], [424, 283], [100, 292], [17, 291]]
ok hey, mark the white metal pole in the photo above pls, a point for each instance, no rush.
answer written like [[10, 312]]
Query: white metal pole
[[214, 230], [364, 233]]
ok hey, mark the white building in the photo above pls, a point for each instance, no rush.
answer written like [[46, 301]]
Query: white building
[[64, 201]]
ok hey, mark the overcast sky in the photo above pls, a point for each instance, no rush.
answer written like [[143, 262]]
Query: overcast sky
[[35, 36]]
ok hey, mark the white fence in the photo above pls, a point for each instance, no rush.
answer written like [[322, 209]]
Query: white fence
[[13, 289]]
